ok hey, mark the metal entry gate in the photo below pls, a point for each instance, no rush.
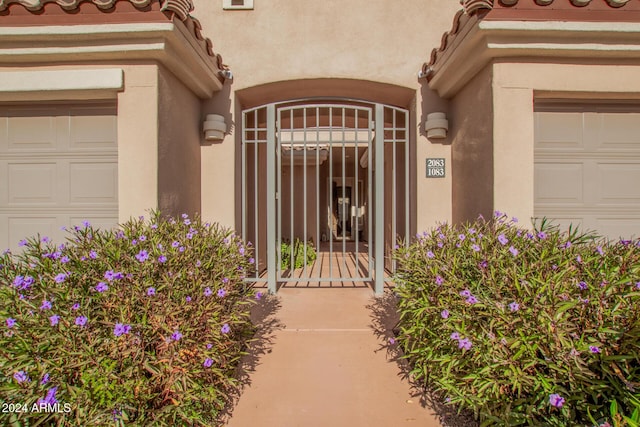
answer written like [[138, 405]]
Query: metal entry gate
[[325, 191]]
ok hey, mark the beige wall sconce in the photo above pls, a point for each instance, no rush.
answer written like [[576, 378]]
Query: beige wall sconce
[[436, 126], [214, 127]]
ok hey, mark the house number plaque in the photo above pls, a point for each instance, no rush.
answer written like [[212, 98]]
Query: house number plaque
[[435, 168]]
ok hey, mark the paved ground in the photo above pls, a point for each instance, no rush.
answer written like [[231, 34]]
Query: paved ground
[[323, 360]]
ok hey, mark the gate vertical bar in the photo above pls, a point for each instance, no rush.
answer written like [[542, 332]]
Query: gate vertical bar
[[379, 200], [271, 198]]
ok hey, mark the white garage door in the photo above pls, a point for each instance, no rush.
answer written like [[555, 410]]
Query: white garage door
[[58, 167], [587, 169]]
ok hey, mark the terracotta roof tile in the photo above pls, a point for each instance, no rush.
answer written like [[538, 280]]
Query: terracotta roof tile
[[539, 10]]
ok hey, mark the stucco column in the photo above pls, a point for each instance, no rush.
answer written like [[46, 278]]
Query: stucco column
[[513, 149], [138, 142]]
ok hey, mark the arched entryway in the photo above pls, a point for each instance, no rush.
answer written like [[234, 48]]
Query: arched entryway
[[325, 190]]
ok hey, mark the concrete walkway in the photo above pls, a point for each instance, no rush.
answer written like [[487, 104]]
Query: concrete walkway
[[322, 360]]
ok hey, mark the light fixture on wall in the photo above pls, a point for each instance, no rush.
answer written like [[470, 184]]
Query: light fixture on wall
[[214, 127], [226, 74], [436, 125]]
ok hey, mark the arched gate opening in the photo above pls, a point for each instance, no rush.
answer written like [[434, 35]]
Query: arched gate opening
[[325, 191]]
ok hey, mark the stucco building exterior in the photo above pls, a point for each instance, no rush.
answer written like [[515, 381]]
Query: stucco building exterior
[[329, 134]]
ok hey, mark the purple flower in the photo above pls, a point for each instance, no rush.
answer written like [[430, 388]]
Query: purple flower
[[445, 314], [142, 256], [209, 346], [513, 251], [583, 285], [439, 280], [11, 322], [181, 249], [556, 400], [465, 343], [466, 293], [184, 216], [50, 398], [207, 362], [475, 248], [198, 263], [430, 254], [187, 222], [54, 319], [93, 254], [599, 250], [189, 236], [154, 226], [241, 250], [21, 376], [188, 298], [225, 329], [222, 293], [75, 306], [567, 245], [162, 259], [46, 305], [225, 280], [142, 238], [497, 214], [462, 237], [503, 240], [86, 224], [392, 341], [45, 379], [134, 242], [252, 260], [258, 295], [175, 244], [594, 349], [121, 329], [176, 336], [61, 277], [22, 243], [542, 235], [81, 320], [208, 292], [472, 300], [514, 219], [151, 291], [514, 306], [45, 239], [111, 275], [101, 287], [65, 259], [455, 336]]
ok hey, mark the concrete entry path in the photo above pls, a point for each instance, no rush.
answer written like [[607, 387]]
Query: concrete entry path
[[322, 360]]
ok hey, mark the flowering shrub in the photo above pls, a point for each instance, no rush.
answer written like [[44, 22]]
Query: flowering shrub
[[523, 327], [143, 325]]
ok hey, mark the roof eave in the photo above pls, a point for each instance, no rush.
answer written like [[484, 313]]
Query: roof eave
[[168, 43], [481, 42]]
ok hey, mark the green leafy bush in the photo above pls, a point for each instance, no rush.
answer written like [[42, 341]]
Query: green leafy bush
[[523, 327], [143, 325], [298, 254]]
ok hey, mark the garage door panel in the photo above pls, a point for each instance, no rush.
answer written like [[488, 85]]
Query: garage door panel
[[559, 130], [33, 133], [619, 183], [30, 183], [609, 183], [559, 183], [619, 227], [21, 227], [617, 131], [95, 183], [60, 168], [93, 132]]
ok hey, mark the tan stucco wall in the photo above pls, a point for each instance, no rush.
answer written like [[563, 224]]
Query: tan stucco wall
[[138, 142], [515, 85], [280, 40], [472, 149], [179, 134]]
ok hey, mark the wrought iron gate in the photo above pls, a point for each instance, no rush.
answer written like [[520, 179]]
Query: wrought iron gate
[[325, 190]]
